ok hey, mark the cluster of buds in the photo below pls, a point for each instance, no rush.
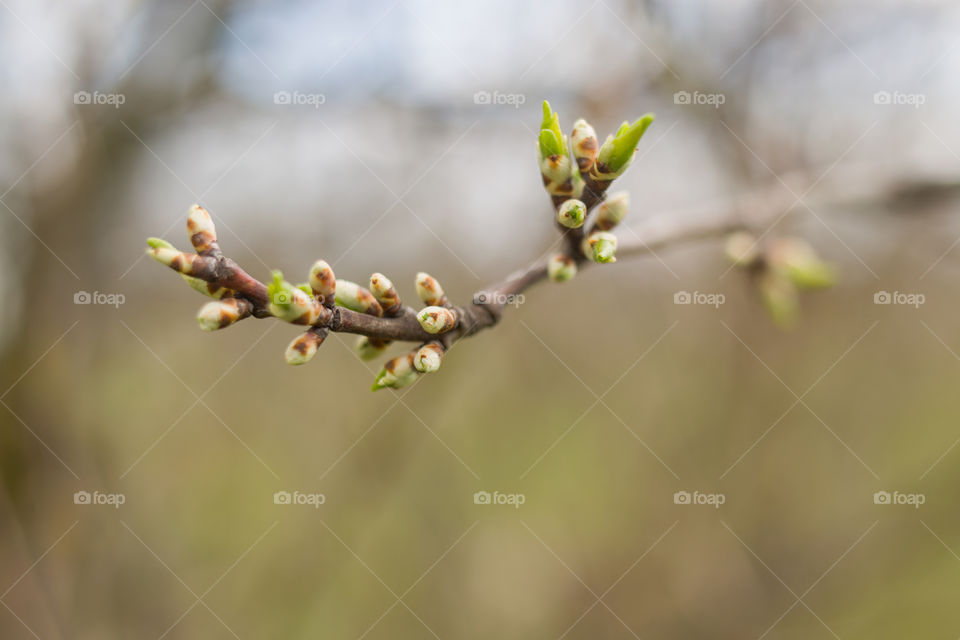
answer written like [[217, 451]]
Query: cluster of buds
[[781, 269], [437, 318], [576, 185]]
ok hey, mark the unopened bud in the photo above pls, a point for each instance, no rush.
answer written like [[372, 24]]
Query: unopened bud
[[437, 319], [800, 263], [612, 211], [572, 213], [304, 347], [428, 357], [600, 246], [429, 290], [585, 146], [356, 298], [210, 289], [397, 373], [203, 235], [292, 304], [223, 313], [742, 249], [561, 268], [165, 253], [617, 151], [323, 282], [369, 348], [780, 298], [386, 294]]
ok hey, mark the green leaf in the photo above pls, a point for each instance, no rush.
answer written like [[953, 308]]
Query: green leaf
[[626, 141]]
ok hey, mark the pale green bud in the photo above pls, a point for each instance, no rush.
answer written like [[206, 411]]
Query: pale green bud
[[552, 141], [368, 348], [617, 151], [223, 313], [428, 357], [397, 373], [780, 298], [572, 213], [429, 290], [165, 253], [561, 268], [292, 304], [437, 319], [356, 298], [322, 281], [585, 145], [600, 246], [742, 249], [304, 346], [386, 294], [800, 263], [203, 235], [612, 211], [214, 291]]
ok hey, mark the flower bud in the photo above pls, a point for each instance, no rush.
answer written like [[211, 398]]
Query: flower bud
[[386, 294], [585, 146], [779, 297], [800, 263], [223, 313], [304, 346], [572, 213], [292, 304], [323, 282], [428, 357], [617, 151], [369, 348], [612, 211], [561, 268], [742, 249], [429, 290], [397, 373], [437, 319], [551, 140], [600, 246], [356, 298], [210, 289], [203, 235], [165, 253], [553, 158]]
